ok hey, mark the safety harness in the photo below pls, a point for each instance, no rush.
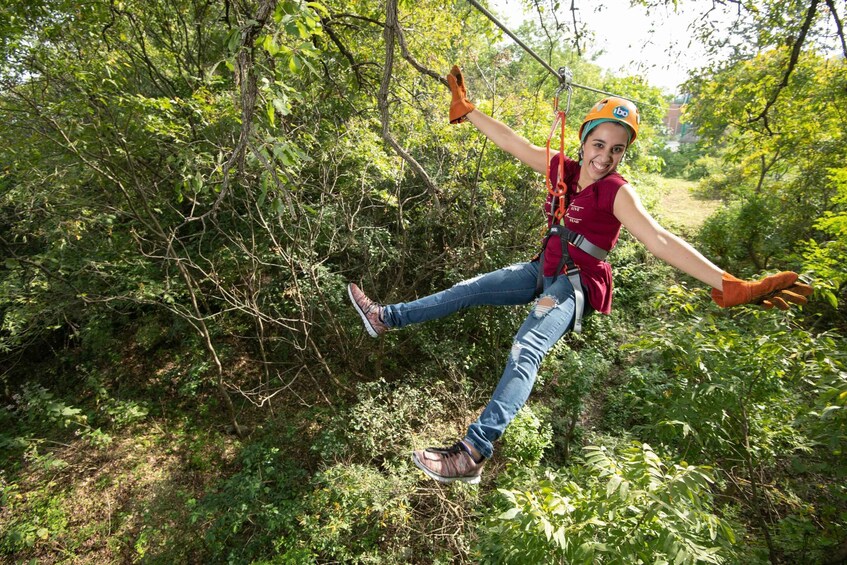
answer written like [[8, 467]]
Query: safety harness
[[558, 207], [568, 267]]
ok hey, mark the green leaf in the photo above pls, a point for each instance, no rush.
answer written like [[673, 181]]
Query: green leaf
[[269, 44], [614, 483], [233, 40], [827, 412], [271, 114], [509, 514], [559, 538]]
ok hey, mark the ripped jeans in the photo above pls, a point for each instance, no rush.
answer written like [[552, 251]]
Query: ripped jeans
[[548, 321]]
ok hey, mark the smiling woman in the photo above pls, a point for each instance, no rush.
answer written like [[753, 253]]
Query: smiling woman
[[588, 202]]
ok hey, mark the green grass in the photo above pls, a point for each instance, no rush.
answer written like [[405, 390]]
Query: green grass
[[677, 205]]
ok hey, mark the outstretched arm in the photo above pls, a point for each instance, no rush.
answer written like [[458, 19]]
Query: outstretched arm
[[660, 242], [509, 141], [775, 290], [502, 135]]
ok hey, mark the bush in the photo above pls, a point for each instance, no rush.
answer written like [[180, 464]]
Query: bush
[[682, 163], [526, 438], [613, 508], [380, 425], [574, 374], [351, 514], [253, 507], [37, 518], [745, 232]]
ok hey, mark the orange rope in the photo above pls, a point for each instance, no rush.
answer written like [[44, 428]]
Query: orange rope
[[561, 189]]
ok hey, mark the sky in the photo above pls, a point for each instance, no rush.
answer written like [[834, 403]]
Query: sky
[[622, 36]]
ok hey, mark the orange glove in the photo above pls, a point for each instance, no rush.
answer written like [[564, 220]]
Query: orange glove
[[776, 290], [459, 107]]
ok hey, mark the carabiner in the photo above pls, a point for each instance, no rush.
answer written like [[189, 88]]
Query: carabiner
[[565, 83]]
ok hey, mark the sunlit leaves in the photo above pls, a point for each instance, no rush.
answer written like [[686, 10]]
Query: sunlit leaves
[[622, 505]]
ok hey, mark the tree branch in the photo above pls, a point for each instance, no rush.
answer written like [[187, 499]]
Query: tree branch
[[576, 33], [838, 25], [404, 51], [792, 62], [327, 26], [245, 79], [389, 33]]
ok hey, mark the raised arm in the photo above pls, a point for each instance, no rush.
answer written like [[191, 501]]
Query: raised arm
[[775, 290], [499, 133], [509, 141]]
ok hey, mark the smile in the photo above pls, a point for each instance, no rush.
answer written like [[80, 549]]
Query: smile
[[600, 167]]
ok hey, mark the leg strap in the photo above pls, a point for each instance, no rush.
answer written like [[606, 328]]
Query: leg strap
[[579, 300], [572, 272]]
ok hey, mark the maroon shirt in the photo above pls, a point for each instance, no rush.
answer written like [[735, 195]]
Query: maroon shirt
[[590, 213]]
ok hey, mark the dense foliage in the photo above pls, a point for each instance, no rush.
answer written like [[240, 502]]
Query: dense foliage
[[186, 189]]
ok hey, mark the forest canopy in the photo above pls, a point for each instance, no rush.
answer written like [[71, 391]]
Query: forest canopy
[[187, 187]]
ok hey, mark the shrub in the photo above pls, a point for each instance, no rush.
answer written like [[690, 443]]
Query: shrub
[[624, 508], [526, 438], [380, 424], [32, 519], [574, 375], [252, 507], [352, 514]]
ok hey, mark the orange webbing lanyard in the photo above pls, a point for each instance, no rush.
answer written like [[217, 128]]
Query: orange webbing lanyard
[[559, 192]]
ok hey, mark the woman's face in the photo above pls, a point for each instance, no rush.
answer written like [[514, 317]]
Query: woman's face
[[603, 150]]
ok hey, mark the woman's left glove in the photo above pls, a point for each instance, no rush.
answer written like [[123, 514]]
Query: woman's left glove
[[776, 290], [459, 107]]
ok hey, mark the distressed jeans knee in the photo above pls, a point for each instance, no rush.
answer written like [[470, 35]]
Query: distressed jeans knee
[[544, 305]]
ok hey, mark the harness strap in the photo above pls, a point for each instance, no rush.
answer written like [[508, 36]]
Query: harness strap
[[579, 300], [567, 265]]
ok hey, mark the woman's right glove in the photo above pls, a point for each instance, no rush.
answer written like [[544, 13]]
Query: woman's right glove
[[776, 290], [459, 107]]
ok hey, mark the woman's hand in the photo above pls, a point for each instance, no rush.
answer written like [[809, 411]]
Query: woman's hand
[[499, 133], [459, 107], [776, 290]]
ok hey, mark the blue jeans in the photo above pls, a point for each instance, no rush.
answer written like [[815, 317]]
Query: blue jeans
[[549, 320]]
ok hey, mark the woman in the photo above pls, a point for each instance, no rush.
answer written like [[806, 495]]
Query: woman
[[586, 208]]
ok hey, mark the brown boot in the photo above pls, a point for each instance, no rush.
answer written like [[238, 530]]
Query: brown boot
[[448, 464]]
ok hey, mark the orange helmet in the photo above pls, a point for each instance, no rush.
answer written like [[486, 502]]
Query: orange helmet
[[613, 109]]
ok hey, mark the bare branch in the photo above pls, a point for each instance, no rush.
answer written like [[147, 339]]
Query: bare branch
[[389, 33], [245, 78], [327, 26], [838, 25], [404, 50], [576, 33]]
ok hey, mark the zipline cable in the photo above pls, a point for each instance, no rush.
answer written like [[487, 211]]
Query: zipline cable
[[562, 74]]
